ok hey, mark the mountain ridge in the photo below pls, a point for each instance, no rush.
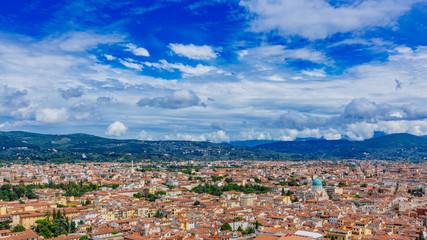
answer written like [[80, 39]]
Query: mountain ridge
[[399, 146], [19, 145]]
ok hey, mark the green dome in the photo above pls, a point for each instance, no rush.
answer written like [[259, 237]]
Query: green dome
[[317, 182]]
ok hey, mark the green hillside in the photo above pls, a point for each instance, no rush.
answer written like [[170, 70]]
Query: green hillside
[[389, 147], [24, 146]]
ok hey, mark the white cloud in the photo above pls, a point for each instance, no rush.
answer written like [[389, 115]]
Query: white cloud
[[316, 19], [275, 78], [130, 63], [319, 73], [109, 57], [138, 51], [255, 135], [82, 41], [144, 135], [116, 129], [177, 100], [364, 130], [52, 115], [192, 51], [187, 70], [279, 53], [218, 136]]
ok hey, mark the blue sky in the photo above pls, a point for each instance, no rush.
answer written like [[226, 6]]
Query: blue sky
[[214, 70]]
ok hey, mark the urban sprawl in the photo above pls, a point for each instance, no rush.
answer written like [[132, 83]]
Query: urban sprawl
[[261, 200]]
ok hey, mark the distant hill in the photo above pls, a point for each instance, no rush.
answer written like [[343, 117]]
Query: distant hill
[[250, 143], [389, 147], [25, 146]]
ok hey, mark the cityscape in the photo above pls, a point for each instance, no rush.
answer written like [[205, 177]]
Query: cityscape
[[348, 199], [213, 120]]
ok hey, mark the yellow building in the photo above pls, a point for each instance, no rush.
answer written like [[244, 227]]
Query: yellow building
[[131, 213], [3, 210], [340, 234], [29, 219], [110, 216]]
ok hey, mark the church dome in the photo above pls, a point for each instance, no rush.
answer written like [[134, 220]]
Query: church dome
[[317, 182]]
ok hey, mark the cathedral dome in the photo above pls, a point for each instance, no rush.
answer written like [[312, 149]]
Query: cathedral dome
[[317, 182]]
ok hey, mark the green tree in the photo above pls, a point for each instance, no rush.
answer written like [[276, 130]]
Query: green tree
[[342, 184], [138, 195], [84, 237], [47, 214], [226, 227], [257, 224], [45, 232], [86, 202], [249, 230], [158, 214], [5, 225], [18, 228], [421, 236], [197, 202], [160, 193]]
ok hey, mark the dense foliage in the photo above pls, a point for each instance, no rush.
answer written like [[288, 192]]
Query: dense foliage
[[73, 189], [214, 190], [146, 195], [18, 228], [54, 225], [5, 224], [9, 193]]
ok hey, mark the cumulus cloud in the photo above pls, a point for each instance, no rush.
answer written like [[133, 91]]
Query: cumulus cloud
[[52, 115], [218, 136], [291, 17], [83, 110], [12, 99], [358, 120], [179, 99], [296, 120], [116, 129], [138, 51], [144, 135], [15, 103], [192, 51], [71, 92]]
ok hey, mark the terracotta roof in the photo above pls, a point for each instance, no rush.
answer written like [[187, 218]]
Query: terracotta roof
[[27, 234], [265, 237]]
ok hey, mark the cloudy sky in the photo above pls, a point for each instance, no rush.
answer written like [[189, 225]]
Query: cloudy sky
[[214, 70]]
